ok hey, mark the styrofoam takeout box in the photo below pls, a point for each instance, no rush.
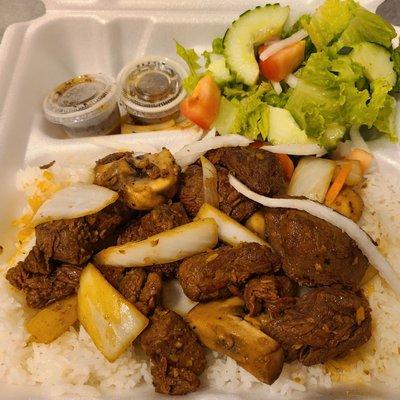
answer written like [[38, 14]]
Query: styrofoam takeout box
[[78, 36]]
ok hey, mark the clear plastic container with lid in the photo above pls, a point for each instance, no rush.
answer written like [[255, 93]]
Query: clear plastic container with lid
[[86, 105], [151, 89]]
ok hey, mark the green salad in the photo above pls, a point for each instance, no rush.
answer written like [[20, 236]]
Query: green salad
[[301, 84]]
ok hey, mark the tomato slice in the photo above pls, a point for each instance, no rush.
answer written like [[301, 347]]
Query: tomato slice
[[282, 63], [202, 106]]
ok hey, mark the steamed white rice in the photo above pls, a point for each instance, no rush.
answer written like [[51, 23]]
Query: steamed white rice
[[72, 367]]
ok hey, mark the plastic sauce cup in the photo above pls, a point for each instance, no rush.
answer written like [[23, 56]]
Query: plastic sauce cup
[[151, 89], [86, 105]]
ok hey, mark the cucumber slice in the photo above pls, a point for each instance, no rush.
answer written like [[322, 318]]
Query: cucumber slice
[[225, 122], [219, 69], [251, 29], [283, 129], [375, 60]]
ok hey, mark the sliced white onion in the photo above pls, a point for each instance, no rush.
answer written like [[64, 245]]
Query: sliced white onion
[[345, 224], [169, 246], [277, 87], [296, 149], [292, 80], [174, 298], [275, 47], [210, 182], [357, 139], [149, 142], [229, 230], [342, 150], [192, 152], [74, 201], [311, 178], [210, 134]]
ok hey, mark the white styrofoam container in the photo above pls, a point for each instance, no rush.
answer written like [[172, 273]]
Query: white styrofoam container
[[78, 36]]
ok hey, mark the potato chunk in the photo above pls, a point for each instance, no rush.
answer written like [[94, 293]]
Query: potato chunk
[[349, 203], [111, 321], [221, 327], [51, 322]]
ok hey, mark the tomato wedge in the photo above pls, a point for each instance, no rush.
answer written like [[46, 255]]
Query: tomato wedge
[[282, 63], [202, 106]]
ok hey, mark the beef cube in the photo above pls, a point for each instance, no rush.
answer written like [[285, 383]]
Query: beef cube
[[219, 273], [140, 287], [177, 356], [314, 252], [325, 323], [43, 289], [256, 168], [73, 241], [264, 290]]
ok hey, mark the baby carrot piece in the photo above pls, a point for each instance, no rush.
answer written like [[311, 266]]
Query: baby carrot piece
[[338, 183], [287, 165]]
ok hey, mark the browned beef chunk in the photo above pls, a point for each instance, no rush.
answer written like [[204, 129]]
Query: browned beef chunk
[[140, 287], [43, 289], [176, 354], [160, 219], [256, 168], [74, 241], [219, 273], [231, 202], [313, 251], [325, 323], [36, 262], [263, 290]]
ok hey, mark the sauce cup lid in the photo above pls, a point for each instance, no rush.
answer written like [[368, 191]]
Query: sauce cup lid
[[81, 98], [151, 87]]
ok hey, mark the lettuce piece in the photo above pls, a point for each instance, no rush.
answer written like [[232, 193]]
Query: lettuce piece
[[191, 58], [329, 93], [217, 48], [366, 26], [347, 23], [361, 107], [246, 108], [385, 122], [396, 61], [239, 91], [249, 114], [328, 22]]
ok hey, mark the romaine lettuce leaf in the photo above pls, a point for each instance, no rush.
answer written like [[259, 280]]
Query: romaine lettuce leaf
[[265, 91], [396, 61], [217, 48], [191, 58], [249, 105], [361, 107], [328, 22], [329, 93], [385, 122], [366, 26], [347, 23]]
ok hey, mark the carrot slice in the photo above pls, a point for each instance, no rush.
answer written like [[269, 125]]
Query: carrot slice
[[338, 183], [287, 165], [363, 156]]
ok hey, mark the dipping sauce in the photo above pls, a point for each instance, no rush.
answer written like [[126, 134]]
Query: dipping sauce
[[151, 89], [86, 105]]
